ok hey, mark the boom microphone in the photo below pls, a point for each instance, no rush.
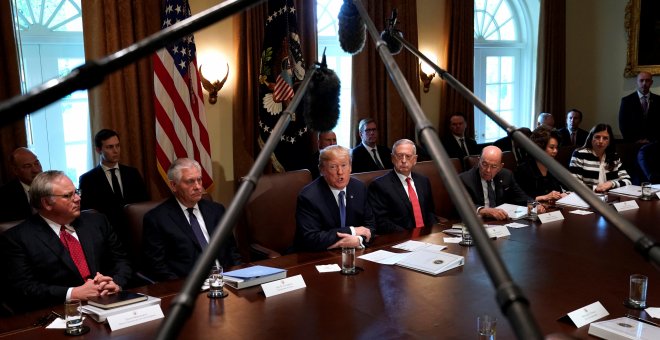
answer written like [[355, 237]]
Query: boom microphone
[[321, 110], [352, 31], [387, 35]]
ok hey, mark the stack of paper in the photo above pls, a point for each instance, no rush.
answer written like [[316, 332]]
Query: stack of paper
[[100, 314], [624, 328], [252, 276], [431, 262], [573, 200]]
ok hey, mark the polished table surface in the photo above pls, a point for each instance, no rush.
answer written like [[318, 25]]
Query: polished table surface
[[560, 266]]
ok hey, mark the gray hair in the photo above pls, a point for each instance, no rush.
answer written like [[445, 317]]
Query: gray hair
[[42, 186], [363, 123], [402, 142], [543, 116], [174, 172], [333, 151]]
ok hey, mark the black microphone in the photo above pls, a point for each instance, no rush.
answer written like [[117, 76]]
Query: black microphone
[[352, 31], [394, 45], [321, 110]]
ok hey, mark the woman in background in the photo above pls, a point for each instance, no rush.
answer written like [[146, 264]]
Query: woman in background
[[597, 164], [533, 177]]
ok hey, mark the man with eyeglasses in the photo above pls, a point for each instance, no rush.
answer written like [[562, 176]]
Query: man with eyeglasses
[[333, 211], [14, 196], [456, 143], [402, 199], [60, 253], [490, 185], [368, 155]]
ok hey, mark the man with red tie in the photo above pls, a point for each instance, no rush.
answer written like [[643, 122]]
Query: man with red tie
[[60, 253], [402, 199]]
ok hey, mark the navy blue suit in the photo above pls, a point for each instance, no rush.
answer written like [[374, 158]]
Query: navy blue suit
[[39, 270], [632, 124], [169, 244], [565, 135], [14, 204], [391, 205], [317, 214], [506, 188], [363, 161]]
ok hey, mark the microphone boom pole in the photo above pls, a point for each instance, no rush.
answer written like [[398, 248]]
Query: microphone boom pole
[[509, 296], [183, 304], [648, 247]]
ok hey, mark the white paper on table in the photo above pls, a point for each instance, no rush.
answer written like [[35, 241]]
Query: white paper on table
[[58, 323], [328, 268], [412, 245], [654, 312], [452, 239], [551, 216], [384, 257], [516, 225], [496, 231], [626, 205], [581, 212], [514, 211], [573, 200]]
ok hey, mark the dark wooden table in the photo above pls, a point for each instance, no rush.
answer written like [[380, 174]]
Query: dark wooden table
[[561, 266]]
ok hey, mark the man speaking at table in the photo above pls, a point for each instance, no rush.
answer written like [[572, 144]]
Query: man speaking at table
[[490, 185], [60, 253], [402, 199], [333, 211]]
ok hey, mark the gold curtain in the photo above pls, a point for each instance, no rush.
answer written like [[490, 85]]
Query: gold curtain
[[249, 36], [124, 102], [551, 61], [13, 134], [374, 94], [460, 63]]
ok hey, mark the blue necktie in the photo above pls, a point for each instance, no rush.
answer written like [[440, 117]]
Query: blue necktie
[[342, 209], [491, 194], [197, 229]]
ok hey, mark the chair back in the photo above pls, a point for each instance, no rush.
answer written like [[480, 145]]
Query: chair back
[[508, 158], [4, 226], [444, 206], [134, 216], [271, 209], [368, 177]]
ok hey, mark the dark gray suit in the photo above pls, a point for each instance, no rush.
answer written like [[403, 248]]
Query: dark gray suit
[[169, 245], [506, 188], [363, 161], [39, 270]]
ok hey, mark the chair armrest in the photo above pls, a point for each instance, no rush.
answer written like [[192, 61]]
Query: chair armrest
[[269, 253]]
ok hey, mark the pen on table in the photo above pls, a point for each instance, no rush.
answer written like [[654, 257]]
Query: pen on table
[[643, 320], [56, 314]]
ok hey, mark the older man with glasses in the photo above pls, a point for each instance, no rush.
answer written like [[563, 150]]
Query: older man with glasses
[[14, 195], [60, 253], [490, 185]]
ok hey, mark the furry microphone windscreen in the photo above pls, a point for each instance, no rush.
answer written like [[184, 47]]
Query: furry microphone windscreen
[[322, 100], [352, 31], [394, 45]]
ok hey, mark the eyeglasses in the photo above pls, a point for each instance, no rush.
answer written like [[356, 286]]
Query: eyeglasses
[[489, 166], [370, 130], [68, 196], [403, 156]]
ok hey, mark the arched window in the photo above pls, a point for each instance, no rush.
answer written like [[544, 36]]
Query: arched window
[[504, 63], [50, 41], [338, 60]]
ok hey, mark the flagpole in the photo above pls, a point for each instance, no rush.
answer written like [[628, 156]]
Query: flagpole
[[92, 73], [183, 304]]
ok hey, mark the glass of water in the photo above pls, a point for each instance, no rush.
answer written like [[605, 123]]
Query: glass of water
[[216, 282], [73, 317], [486, 326]]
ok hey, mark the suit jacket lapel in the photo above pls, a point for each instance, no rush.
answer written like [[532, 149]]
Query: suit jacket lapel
[[421, 190], [330, 201], [479, 189], [403, 196], [86, 239], [180, 220], [45, 234], [499, 190], [101, 178]]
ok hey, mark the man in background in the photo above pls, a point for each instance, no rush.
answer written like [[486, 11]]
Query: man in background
[[571, 134], [402, 199], [368, 156], [490, 185], [546, 119], [15, 195], [333, 211], [639, 113], [60, 253], [324, 139], [177, 231], [110, 185], [456, 143]]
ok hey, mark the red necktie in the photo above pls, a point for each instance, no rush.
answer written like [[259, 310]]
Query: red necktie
[[417, 210], [76, 252]]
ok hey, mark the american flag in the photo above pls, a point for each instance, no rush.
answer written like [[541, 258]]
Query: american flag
[[178, 100]]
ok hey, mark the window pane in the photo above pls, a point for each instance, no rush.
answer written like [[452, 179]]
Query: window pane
[[506, 97], [508, 31], [492, 70], [507, 69]]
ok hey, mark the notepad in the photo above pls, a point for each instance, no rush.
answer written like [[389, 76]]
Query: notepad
[[122, 298]]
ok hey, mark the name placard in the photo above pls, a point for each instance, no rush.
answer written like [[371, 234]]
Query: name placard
[[551, 217], [588, 314], [497, 231], [134, 317], [626, 205], [282, 286]]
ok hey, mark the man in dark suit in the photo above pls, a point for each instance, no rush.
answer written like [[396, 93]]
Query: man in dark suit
[[61, 253], [456, 143], [368, 156], [324, 139], [648, 158], [333, 211], [402, 199], [571, 134], [14, 195], [178, 230], [639, 114], [490, 185], [110, 185]]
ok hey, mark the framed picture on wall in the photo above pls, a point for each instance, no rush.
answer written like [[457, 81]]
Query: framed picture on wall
[[642, 22]]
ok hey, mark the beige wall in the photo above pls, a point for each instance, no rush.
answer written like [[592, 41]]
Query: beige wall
[[596, 56]]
